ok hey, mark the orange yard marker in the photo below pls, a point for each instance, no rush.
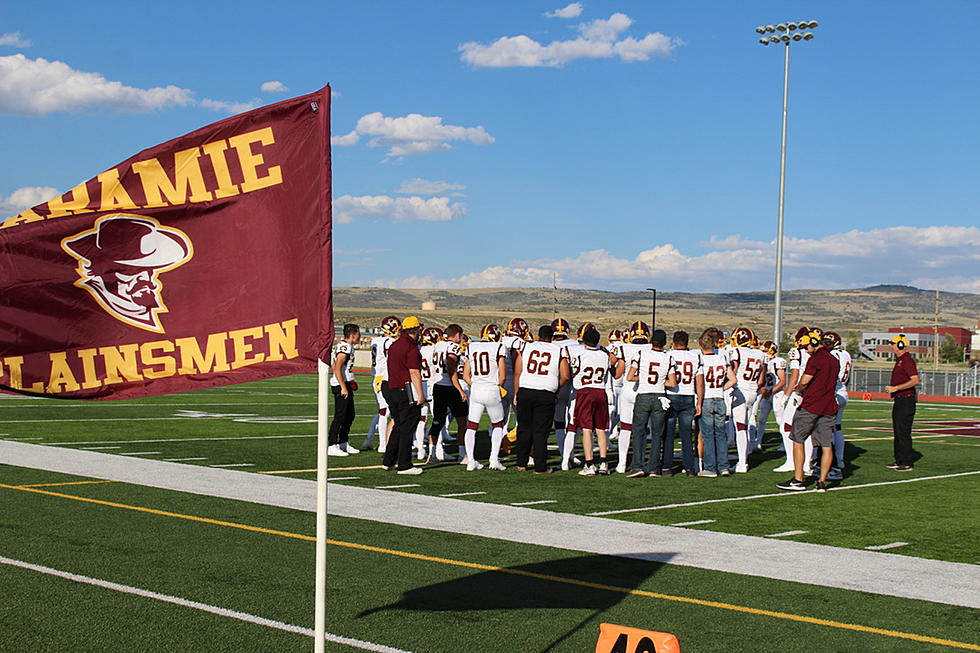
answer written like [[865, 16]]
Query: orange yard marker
[[622, 639]]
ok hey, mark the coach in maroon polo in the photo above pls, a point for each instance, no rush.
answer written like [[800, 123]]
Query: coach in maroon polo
[[817, 413], [905, 376], [404, 376]]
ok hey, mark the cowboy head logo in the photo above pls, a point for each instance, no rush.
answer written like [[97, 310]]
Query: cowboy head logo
[[119, 262]]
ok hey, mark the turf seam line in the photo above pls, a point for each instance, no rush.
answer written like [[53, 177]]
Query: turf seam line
[[780, 494], [196, 605]]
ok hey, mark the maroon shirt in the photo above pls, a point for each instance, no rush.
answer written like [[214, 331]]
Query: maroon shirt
[[903, 372], [820, 395], [403, 355]]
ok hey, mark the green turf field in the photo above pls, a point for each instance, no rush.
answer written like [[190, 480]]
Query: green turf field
[[419, 590]]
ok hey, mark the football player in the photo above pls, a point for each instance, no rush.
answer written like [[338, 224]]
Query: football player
[[390, 330], [485, 373], [615, 383], [637, 338], [518, 333], [651, 370], [561, 330], [447, 392], [772, 398], [685, 402], [429, 337], [749, 364], [590, 367], [832, 341], [719, 377], [343, 385], [540, 369]]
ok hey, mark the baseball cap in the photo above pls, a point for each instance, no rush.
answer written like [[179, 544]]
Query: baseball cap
[[411, 322]]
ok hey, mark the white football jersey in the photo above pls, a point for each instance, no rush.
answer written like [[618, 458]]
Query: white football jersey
[[425, 370], [688, 365], [483, 357], [616, 349], [775, 364], [844, 358], [510, 343], [749, 366], [715, 374], [590, 368], [379, 355], [653, 366], [347, 371], [440, 352], [540, 366], [630, 351]]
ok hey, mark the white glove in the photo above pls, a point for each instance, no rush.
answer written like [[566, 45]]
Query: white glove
[[665, 402]]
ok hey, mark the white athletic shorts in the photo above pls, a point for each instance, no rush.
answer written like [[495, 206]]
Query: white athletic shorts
[[485, 398]]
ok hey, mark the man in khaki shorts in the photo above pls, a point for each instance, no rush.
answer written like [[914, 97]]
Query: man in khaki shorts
[[817, 413]]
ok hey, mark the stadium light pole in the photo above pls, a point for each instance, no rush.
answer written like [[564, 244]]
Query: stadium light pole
[[785, 33], [653, 314]]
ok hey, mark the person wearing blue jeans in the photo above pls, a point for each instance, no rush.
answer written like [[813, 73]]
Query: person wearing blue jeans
[[718, 377], [650, 368], [685, 403]]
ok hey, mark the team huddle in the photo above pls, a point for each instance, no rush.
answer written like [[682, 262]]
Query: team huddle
[[620, 405]]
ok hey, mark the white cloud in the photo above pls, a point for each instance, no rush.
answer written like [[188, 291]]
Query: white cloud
[[573, 10], [598, 40], [39, 86], [229, 107], [411, 134], [26, 198], [926, 257], [426, 187], [274, 87], [605, 30], [13, 39], [347, 209]]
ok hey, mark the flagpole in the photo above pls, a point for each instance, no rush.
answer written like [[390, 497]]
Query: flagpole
[[320, 620]]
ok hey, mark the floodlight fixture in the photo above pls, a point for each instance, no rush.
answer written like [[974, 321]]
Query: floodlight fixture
[[797, 37], [791, 27], [770, 28], [764, 41], [781, 27], [761, 29], [808, 36]]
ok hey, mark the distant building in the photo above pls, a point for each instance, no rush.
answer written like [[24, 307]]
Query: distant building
[[428, 306], [974, 352], [922, 340]]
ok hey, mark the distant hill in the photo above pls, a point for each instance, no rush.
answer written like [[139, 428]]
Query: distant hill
[[866, 309]]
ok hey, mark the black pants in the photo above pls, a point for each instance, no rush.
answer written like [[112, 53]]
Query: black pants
[[398, 450], [444, 399], [903, 411], [343, 416], [535, 413]]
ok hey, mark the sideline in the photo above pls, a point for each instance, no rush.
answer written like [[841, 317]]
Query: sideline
[[827, 566], [204, 607]]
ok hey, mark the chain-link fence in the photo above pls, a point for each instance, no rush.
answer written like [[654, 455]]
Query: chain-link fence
[[948, 383]]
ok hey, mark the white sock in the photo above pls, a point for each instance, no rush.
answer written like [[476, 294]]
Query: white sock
[[469, 440], [568, 448], [807, 452], [496, 438], [624, 445], [420, 436], [742, 444]]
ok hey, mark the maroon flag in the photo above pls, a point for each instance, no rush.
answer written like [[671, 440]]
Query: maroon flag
[[200, 262]]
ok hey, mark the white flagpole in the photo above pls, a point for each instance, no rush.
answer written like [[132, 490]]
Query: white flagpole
[[320, 619]]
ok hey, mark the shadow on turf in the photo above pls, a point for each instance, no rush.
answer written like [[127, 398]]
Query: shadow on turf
[[550, 585]]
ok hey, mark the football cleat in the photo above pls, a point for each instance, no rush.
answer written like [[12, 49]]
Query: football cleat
[[834, 337], [391, 326], [580, 334], [639, 332], [431, 335], [516, 326], [561, 328], [490, 333]]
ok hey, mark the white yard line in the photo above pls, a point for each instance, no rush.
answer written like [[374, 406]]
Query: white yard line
[[212, 439], [140, 453], [778, 494], [196, 605], [180, 460], [534, 503], [396, 487], [462, 494], [787, 534], [882, 547], [345, 478], [695, 523], [99, 448], [234, 465]]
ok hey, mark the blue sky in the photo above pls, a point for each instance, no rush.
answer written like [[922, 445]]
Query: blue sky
[[619, 145]]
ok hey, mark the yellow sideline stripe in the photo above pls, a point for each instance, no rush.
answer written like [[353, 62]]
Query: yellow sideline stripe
[[59, 484], [520, 572]]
